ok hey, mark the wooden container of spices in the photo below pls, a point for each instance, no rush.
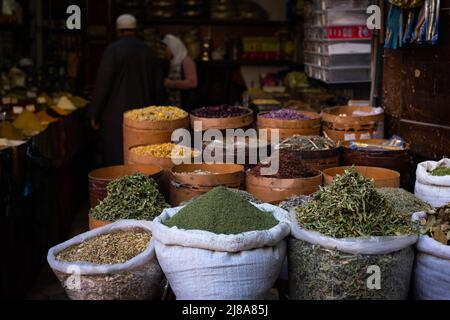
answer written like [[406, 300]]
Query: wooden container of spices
[[241, 122], [192, 180], [289, 128]]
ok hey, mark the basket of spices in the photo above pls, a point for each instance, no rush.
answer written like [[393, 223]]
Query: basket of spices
[[432, 266], [353, 123], [152, 125], [188, 181], [221, 247], [222, 118], [293, 178], [100, 178], [384, 178], [349, 243], [116, 262], [379, 153], [290, 122], [318, 152], [135, 197]]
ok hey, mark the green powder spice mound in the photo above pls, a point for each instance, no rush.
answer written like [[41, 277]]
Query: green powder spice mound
[[403, 201], [352, 207], [132, 197], [222, 211], [111, 248]]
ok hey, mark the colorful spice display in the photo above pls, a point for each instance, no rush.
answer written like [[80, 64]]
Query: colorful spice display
[[287, 114], [29, 123], [132, 197], [403, 201], [7, 131], [220, 112], [303, 143], [437, 224], [291, 166], [222, 211], [155, 113], [352, 207], [165, 150], [112, 248]]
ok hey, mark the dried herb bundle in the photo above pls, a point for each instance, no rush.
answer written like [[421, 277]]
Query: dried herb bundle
[[352, 207], [437, 224], [111, 248], [403, 201], [132, 197]]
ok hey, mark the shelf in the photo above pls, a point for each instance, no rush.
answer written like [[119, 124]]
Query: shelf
[[228, 63], [223, 23]]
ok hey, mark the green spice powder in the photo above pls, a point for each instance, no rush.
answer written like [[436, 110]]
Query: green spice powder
[[222, 211]]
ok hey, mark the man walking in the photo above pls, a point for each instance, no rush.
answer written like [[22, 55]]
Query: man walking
[[129, 77]]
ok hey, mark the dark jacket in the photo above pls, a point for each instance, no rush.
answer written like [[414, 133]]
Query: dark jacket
[[130, 76]]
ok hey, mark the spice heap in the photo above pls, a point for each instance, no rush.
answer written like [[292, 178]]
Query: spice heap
[[287, 114], [7, 131], [352, 207], [291, 166], [441, 172], [156, 114], [132, 197], [303, 143], [29, 123], [222, 211], [220, 112], [246, 195], [294, 202], [437, 224], [112, 248], [403, 201], [165, 150]]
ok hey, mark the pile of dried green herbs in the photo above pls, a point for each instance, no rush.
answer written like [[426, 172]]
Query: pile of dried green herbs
[[441, 172], [403, 201], [112, 248], [303, 143], [437, 224], [132, 197], [316, 273], [222, 211], [352, 207]]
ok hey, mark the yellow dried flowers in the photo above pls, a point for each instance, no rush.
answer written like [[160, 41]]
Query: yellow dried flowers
[[165, 150], [155, 113]]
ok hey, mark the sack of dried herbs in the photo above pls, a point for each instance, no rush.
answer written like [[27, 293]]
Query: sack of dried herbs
[[432, 189], [432, 265], [221, 247], [131, 197], [349, 243], [116, 262]]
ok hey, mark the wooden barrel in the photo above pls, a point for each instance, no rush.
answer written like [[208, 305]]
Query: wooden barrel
[[166, 164], [137, 133], [384, 178], [241, 122], [186, 185], [322, 159], [339, 124], [274, 191], [397, 160], [99, 179], [289, 128]]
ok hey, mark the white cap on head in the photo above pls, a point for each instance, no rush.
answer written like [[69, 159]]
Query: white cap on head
[[126, 21]]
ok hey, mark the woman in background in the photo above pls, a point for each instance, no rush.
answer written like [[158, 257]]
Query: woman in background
[[182, 79]]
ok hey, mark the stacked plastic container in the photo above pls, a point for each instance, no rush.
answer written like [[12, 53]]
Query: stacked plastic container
[[337, 41]]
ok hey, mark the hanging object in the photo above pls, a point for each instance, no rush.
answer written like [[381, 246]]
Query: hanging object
[[412, 21]]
